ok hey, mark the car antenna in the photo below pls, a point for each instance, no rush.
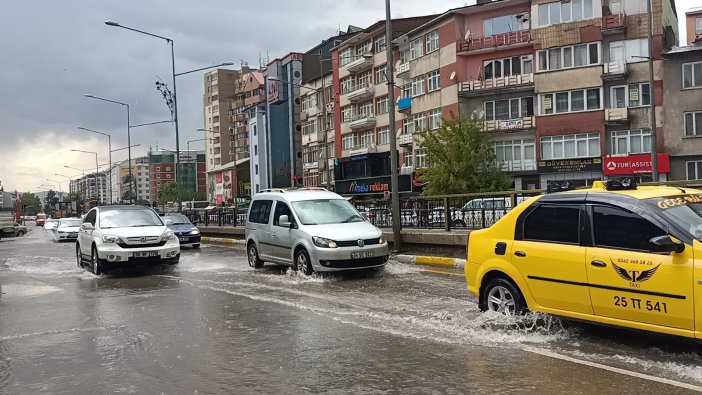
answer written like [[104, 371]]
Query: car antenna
[[681, 190]]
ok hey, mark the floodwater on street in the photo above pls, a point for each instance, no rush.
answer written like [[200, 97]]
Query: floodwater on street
[[212, 324]]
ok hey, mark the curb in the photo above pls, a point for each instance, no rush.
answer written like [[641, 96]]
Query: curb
[[223, 241]]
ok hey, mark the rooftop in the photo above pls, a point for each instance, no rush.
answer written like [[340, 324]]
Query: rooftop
[[694, 10]]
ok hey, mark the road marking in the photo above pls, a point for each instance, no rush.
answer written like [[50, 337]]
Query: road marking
[[552, 354]]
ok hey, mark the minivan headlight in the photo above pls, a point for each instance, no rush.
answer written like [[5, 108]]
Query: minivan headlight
[[168, 235], [112, 239], [324, 243], [381, 240]]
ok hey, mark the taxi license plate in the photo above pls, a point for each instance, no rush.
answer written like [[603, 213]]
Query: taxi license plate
[[183, 238], [362, 254], [143, 254]]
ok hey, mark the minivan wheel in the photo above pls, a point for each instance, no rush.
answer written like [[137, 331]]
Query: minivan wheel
[[95, 262], [502, 296], [302, 262], [254, 260]]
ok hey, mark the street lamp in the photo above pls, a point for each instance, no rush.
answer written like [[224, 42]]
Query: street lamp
[[175, 94], [97, 190], [59, 184], [129, 134], [394, 187], [109, 147]]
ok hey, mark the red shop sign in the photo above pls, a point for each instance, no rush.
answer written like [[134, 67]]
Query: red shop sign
[[634, 164]]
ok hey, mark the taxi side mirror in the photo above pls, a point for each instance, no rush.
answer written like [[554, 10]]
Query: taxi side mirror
[[666, 244]]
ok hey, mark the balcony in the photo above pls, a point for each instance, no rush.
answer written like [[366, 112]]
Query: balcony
[[360, 92], [404, 139], [614, 71], [312, 111], [361, 63], [512, 83], [517, 165], [616, 116], [362, 150], [491, 43], [614, 24], [510, 124], [404, 105], [362, 121], [310, 165], [402, 68], [330, 135], [310, 138]]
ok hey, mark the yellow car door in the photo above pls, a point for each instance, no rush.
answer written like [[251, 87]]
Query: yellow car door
[[548, 253], [631, 278]]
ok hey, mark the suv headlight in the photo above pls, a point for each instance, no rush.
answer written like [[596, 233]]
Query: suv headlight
[[112, 239], [169, 235], [324, 243]]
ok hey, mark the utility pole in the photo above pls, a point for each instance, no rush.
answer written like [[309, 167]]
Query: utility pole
[[394, 186]]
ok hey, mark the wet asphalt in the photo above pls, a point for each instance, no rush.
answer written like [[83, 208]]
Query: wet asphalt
[[212, 325]]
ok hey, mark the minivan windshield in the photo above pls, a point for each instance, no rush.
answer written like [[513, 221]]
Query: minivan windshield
[[128, 218], [685, 211], [326, 211]]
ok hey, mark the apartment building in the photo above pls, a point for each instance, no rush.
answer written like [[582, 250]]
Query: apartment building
[[693, 24], [682, 95], [362, 164], [258, 148], [592, 89], [161, 168], [90, 187]]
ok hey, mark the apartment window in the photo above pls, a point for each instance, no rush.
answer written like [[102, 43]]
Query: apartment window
[[694, 170], [158, 176], [435, 118], [420, 122], [631, 95], [420, 159], [432, 41], [365, 109], [584, 145], [497, 68], [367, 138], [168, 176], [380, 44], [417, 86], [345, 57], [384, 135], [309, 127], [433, 81], [347, 142], [407, 126], [510, 151], [308, 101], [503, 110], [404, 56], [627, 142], [560, 12], [692, 74], [158, 169], [364, 48], [406, 90], [407, 156], [346, 85], [415, 49], [630, 51], [505, 24], [365, 79], [168, 168], [698, 25], [380, 77], [570, 101], [309, 154], [569, 57], [693, 123], [381, 105], [346, 114]]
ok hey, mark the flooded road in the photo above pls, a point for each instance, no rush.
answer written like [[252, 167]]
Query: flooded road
[[213, 325]]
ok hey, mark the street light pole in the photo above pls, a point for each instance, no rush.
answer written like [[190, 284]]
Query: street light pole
[[394, 187], [109, 147]]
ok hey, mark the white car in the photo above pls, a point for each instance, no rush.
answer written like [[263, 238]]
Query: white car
[[50, 224], [67, 229], [124, 236]]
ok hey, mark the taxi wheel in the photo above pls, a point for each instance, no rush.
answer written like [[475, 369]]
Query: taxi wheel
[[302, 262], [254, 260], [502, 296]]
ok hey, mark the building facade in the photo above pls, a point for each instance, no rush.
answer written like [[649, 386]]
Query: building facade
[[162, 171], [693, 24]]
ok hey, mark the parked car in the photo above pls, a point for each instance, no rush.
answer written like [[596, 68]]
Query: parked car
[[50, 224], [67, 229], [483, 212], [16, 230], [188, 234], [614, 254], [123, 236], [311, 230]]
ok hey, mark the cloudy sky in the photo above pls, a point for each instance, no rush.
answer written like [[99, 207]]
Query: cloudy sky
[[55, 51]]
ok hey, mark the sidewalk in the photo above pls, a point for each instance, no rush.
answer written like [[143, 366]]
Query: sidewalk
[[437, 261]]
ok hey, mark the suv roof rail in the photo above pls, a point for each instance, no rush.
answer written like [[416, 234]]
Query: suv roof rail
[[309, 189], [281, 190]]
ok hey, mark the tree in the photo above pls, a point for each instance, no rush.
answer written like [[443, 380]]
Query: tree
[[31, 203], [50, 201], [73, 197], [168, 192], [461, 160]]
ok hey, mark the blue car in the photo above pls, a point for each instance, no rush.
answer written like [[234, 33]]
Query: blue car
[[187, 233]]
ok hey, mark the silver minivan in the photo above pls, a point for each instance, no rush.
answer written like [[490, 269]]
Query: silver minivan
[[311, 229]]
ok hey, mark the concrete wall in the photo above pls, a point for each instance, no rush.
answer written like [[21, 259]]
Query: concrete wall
[[677, 101], [568, 79]]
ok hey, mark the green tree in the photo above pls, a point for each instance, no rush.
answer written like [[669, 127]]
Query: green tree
[[168, 192], [460, 160], [31, 203], [50, 200]]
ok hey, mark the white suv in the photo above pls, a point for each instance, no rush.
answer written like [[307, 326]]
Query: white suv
[[113, 236], [311, 230]]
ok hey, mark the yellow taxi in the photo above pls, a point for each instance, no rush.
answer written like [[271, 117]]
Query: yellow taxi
[[616, 254]]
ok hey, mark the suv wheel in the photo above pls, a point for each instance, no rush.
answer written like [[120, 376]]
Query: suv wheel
[[302, 262], [79, 257], [95, 262], [502, 296], [254, 260]]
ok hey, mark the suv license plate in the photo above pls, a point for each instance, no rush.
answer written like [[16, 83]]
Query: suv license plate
[[362, 254], [142, 254]]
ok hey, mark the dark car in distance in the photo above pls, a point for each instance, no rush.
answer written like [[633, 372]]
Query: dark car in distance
[[187, 233]]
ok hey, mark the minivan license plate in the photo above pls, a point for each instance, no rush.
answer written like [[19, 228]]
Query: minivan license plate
[[143, 254], [362, 254]]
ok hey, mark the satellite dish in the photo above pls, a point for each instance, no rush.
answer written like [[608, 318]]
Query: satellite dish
[[468, 35], [474, 115], [482, 115], [397, 65], [453, 75], [399, 131]]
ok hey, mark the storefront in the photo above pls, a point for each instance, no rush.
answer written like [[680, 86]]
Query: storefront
[[637, 167], [580, 171]]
